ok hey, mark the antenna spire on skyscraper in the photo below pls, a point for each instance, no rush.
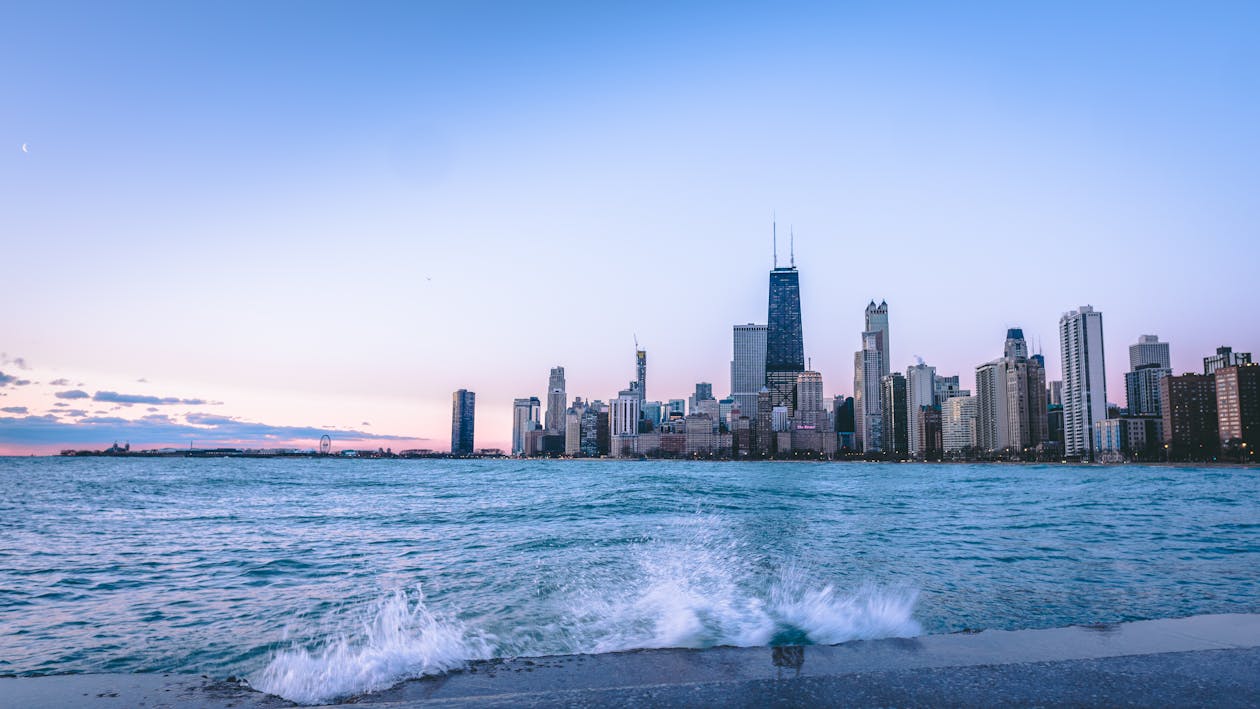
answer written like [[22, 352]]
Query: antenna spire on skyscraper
[[792, 245]]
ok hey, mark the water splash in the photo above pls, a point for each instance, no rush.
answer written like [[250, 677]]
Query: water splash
[[712, 589], [400, 638]]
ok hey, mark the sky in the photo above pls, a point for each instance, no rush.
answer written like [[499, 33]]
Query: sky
[[257, 222]]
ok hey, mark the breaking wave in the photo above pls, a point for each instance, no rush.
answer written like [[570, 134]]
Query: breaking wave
[[706, 590], [400, 638]]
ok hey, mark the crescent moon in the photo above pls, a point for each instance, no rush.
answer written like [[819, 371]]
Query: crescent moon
[[25, 149]]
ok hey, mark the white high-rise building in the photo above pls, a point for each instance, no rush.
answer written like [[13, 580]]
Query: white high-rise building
[[877, 322], [992, 420], [958, 423], [868, 412], [748, 366], [555, 401], [524, 420], [920, 392], [1149, 350], [623, 422], [1084, 379]]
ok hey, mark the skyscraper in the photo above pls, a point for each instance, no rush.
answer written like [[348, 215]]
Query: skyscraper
[[1149, 350], [877, 322], [748, 366], [958, 424], [1084, 379], [463, 404], [992, 417], [623, 423], [896, 420], [1191, 426], [524, 419], [1026, 425], [867, 365], [1238, 408], [920, 394], [1141, 389], [640, 368], [785, 344], [555, 402], [870, 365]]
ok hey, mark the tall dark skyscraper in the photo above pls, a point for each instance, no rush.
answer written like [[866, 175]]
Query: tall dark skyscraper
[[640, 368], [785, 342], [463, 404]]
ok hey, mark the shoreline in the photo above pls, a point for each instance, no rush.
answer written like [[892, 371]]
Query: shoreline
[[1199, 660], [333, 456]]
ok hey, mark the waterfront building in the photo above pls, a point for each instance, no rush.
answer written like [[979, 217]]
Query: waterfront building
[[463, 407], [701, 437], [992, 419], [1149, 350], [958, 424], [927, 425], [1026, 402], [1128, 438], [810, 410], [1189, 412], [624, 414], [1141, 389], [1054, 425], [589, 446], [748, 366], [1084, 379], [843, 419], [785, 345], [525, 413], [555, 402], [573, 428], [895, 417], [868, 366], [921, 393], [1238, 409], [603, 430], [1224, 357]]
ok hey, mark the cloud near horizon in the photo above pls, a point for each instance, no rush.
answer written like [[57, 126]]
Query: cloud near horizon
[[114, 397], [160, 430], [7, 379], [73, 394]]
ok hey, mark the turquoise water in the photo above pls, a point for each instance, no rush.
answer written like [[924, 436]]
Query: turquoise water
[[319, 579]]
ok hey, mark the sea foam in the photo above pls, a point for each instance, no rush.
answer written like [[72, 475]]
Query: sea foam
[[399, 638]]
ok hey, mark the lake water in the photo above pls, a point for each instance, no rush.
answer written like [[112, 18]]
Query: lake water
[[322, 578]]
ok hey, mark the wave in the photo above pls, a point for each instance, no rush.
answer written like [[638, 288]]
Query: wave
[[712, 590], [706, 590], [400, 638]]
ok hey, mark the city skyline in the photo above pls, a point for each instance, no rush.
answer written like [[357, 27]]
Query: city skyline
[[335, 244]]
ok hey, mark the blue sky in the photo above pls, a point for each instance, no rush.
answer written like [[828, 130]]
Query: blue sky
[[326, 214]]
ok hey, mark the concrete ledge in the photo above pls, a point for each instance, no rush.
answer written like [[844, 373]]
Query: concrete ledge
[[1213, 659]]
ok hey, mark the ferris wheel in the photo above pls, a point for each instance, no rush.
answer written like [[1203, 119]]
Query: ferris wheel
[[325, 444]]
